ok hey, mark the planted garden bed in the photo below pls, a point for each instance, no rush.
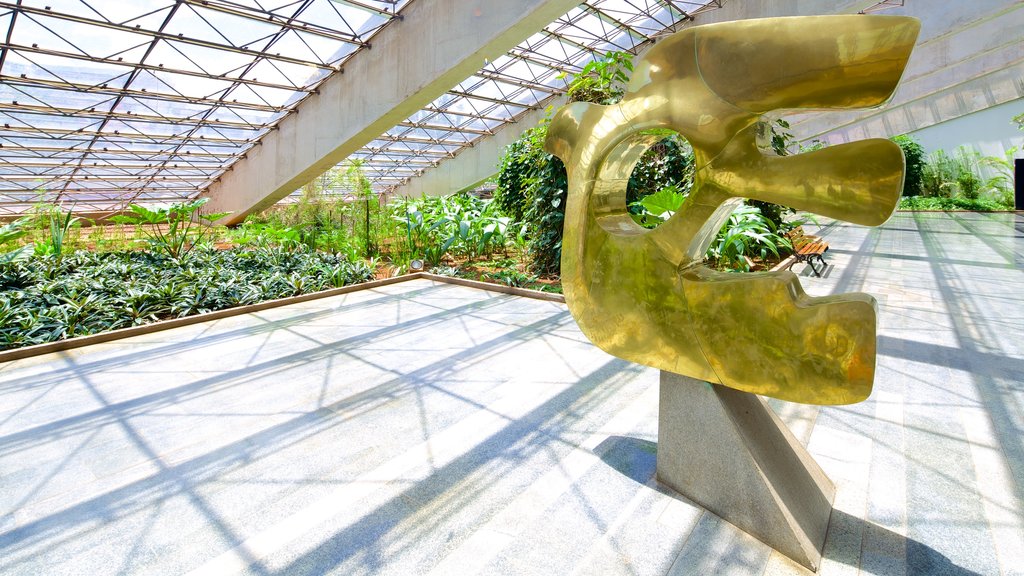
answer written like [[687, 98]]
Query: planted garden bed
[[86, 292]]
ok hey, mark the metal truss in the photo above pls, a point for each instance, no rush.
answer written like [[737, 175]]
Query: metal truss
[[528, 77], [883, 5], [104, 103]]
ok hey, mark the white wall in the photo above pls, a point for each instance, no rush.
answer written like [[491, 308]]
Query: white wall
[[990, 131]]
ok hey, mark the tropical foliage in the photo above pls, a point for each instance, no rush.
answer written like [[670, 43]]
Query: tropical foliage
[[461, 225], [747, 234], [916, 162], [926, 203], [968, 175], [173, 230], [11, 232], [95, 292], [532, 184]]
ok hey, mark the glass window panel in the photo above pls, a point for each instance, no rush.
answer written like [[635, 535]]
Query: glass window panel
[[65, 36], [59, 98], [115, 10], [217, 27], [162, 82], [58, 68], [280, 73], [312, 47], [47, 121], [199, 59], [260, 95]]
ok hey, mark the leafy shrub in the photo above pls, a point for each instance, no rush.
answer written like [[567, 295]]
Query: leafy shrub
[[998, 186], [532, 185], [172, 230], [914, 155], [463, 224], [8, 234], [97, 292], [968, 175], [747, 233], [58, 223], [601, 81], [940, 203], [668, 165], [511, 278], [655, 208]]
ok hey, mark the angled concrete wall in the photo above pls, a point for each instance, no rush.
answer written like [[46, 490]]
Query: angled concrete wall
[[969, 58], [437, 45], [988, 131]]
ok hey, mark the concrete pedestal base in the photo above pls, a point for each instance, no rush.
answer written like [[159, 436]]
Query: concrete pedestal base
[[727, 451]]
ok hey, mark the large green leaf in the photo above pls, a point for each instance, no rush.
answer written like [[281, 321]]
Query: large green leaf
[[663, 203], [23, 253]]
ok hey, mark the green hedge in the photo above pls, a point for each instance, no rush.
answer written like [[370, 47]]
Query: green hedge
[[44, 300], [939, 203]]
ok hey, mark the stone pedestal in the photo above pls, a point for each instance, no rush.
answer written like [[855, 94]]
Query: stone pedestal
[[727, 451]]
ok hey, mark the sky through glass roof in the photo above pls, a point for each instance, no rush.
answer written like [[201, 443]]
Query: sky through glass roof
[[105, 103], [528, 77]]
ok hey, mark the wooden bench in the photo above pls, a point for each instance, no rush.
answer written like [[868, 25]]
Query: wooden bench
[[807, 249]]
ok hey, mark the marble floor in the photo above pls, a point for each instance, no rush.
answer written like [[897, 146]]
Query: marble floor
[[428, 428]]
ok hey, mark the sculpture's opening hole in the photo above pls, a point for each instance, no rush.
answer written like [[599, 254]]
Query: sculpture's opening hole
[[661, 179]]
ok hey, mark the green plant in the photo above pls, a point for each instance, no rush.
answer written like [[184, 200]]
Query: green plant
[[667, 164], [366, 208], [445, 271], [96, 292], [173, 229], [532, 184], [60, 223], [546, 214], [659, 206], [914, 155], [779, 138], [602, 80], [926, 203], [9, 233], [746, 234], [959, 174], [999, 186], [511, 278]]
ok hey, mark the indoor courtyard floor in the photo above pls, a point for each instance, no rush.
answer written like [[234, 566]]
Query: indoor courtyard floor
[[429, 428]]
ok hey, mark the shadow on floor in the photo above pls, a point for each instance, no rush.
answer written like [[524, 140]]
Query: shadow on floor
[[851, 540]]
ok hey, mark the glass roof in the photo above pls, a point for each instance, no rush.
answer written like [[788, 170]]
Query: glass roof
[[528, 77], [104, 103]]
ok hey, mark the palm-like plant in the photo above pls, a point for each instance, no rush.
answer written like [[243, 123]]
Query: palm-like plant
[[747, 233], [173, 229]]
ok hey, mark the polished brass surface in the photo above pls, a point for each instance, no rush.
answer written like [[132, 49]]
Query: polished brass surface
[[644, 295]]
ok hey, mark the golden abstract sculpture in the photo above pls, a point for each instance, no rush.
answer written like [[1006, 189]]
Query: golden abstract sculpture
[[643, 295]]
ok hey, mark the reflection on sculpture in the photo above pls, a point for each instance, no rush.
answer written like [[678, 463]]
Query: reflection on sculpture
[[643, 295]]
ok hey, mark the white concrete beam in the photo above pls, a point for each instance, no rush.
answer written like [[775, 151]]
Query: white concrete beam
[[438, 44], [473, 165]]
